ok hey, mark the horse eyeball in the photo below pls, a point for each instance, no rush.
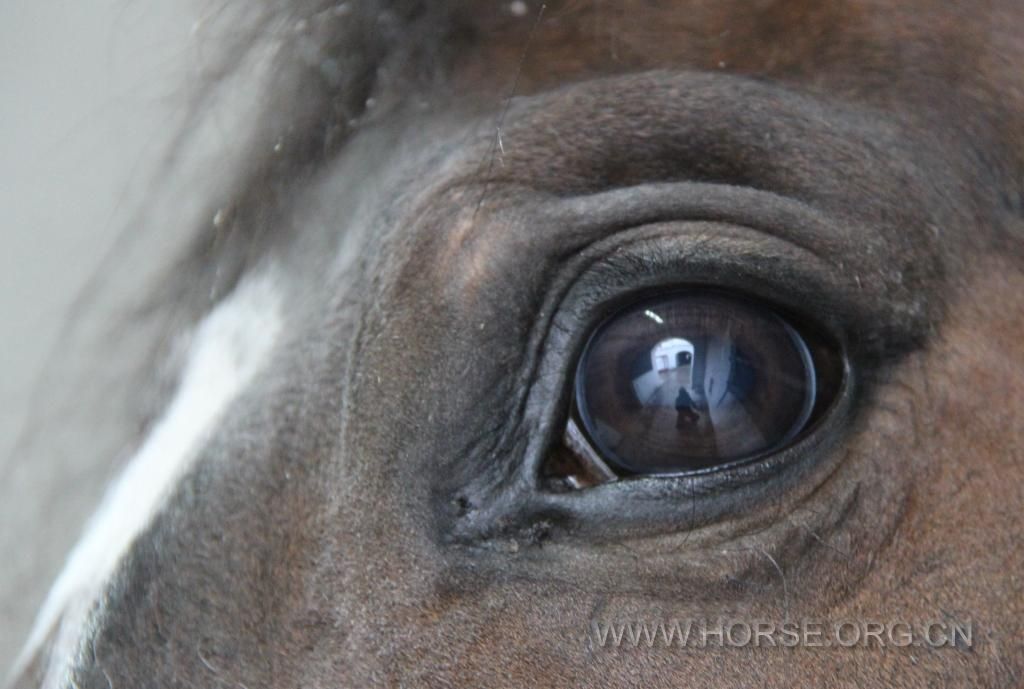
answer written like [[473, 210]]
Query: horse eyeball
[[697, 380]]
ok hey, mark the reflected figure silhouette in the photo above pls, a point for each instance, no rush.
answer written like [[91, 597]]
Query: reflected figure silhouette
[[687, 414]]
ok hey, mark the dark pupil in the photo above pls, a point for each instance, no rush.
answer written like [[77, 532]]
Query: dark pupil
[[692, 381]]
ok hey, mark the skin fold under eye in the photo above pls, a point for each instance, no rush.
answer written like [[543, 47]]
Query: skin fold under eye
[[696, 380]]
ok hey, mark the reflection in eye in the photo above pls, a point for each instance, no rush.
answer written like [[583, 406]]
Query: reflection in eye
[[696, 380]]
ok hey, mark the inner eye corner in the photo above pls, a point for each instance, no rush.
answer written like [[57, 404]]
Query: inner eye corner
[[692, 381]]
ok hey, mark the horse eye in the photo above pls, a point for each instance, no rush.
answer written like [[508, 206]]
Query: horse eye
[[697, 380]]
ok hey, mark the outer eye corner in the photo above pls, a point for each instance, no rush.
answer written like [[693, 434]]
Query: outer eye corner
[[692, 381]]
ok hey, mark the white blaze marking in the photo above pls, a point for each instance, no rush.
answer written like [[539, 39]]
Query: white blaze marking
[[228, 348]]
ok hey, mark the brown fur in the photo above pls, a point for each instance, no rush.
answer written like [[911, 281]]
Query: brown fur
[[369, 515]]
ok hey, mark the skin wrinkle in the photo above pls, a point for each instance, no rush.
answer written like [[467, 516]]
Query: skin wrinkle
[[922, 267], [308, 546]]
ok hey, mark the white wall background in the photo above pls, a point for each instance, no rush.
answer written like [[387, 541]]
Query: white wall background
[[90, 92]]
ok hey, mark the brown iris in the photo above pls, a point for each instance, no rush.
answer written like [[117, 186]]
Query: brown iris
[[697, 379]]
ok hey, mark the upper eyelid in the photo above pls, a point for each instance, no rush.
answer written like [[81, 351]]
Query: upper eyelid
[[711, 252], [787, 219], [573, 320], [892, 287], [885, 316], [735, 150]]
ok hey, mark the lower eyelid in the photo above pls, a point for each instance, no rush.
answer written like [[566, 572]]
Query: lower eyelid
[[777, 554]]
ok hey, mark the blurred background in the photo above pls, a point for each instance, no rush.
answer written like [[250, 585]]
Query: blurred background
[[91, 92]]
